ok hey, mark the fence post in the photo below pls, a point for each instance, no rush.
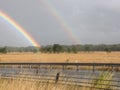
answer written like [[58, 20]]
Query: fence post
[[13, 66], [57, 77], [63, 67], [5, 66], [77, 68], [21, 67], [50, 67], [112, 68], [37, 71], [39, 67], [30, 67], [93, 67]]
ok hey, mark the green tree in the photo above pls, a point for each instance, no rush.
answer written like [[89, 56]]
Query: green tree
[[3, 50], [74, 50], [57, 48], [69, 50], [107, 50], [87, 48]]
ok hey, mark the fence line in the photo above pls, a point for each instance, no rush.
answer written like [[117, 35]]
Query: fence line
[[87, 82], [77, 65], [58, 78]]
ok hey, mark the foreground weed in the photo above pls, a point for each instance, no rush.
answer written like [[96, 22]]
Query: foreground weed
[[103, 81]]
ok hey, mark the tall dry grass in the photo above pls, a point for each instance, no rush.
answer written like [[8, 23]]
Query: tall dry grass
[[92, 57], [24, 84], [33, 85]]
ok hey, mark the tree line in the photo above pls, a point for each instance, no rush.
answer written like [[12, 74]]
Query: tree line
[[57, 48]]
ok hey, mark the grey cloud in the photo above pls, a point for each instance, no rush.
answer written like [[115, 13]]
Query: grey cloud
[[92, 21]]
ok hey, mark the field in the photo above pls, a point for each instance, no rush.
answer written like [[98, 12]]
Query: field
[[86, 57], [82, 57]]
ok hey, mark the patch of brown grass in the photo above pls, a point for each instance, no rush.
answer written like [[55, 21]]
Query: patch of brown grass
[[92, 57], [34, 85]]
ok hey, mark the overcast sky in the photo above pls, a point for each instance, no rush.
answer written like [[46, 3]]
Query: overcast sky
[[91, 21]]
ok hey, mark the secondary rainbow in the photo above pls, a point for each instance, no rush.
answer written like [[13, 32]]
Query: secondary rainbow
[[20, 29], [63, 23]]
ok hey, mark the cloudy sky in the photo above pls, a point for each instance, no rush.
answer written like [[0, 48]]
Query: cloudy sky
[[61, 21]]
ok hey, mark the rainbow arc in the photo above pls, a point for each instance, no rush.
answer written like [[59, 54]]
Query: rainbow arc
[[19, 28], [61, 20]]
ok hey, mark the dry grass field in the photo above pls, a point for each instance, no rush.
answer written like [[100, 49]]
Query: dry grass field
[[98, 57], [92, 57], [33, 85]]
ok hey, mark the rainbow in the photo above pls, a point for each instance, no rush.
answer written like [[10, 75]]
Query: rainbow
[[60, 19], [20, 29]]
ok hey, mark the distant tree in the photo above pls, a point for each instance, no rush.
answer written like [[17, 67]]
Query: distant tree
[[35, 50], [3, 50], [107, 50], [74, 50], [69, 50], [87, 48], [57, 48], [43, 50], [48, 49]]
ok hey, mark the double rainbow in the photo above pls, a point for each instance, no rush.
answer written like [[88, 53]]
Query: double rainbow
[[20, 29]]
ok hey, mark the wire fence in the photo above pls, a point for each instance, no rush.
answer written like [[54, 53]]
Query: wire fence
[[107, 80]]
